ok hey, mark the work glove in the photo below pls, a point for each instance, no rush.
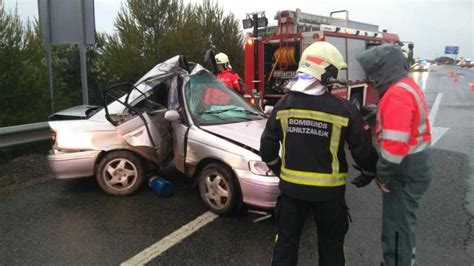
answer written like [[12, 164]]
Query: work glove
[[364, 178], [276, 169]]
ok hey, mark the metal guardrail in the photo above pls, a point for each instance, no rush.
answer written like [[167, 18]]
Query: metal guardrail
[[22, 134]]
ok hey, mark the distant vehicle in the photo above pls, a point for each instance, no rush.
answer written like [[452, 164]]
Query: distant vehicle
[[466, 63], [421, 65], [177, 111]]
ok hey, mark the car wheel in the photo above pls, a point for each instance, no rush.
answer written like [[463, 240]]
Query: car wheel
[[356, 99], [120, 173], [218, 188]]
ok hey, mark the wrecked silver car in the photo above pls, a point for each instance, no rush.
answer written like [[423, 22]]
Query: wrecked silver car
[[178, 111]]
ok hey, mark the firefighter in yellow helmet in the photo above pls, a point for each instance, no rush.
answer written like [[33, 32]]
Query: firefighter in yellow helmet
[[226, 75], [313, 126]]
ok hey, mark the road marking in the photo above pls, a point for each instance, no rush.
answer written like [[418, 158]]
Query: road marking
[[436, 132], [169, 241], [435, 108]]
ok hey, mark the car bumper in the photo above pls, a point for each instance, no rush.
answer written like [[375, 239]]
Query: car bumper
[[73, 164], [258, 191]]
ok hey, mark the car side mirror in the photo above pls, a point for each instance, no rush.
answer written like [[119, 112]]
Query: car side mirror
[[172, 116], [268, 109]]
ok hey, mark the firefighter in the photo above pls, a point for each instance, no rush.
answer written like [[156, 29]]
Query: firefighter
[[313, 125], [226, 75], [403, 135]]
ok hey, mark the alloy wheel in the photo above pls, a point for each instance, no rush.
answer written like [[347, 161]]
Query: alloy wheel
[[120, 174]]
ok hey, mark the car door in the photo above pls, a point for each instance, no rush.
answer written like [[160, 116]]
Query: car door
[[141, 122], [179, 128]]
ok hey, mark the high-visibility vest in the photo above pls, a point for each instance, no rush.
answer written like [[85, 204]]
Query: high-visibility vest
[[311, 131], [402, 127], [215, 96], [332, 131], [230, 79]]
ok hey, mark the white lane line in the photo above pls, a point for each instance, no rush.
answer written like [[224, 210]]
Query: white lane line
[[172, 239], [436, 132], [434, 109]]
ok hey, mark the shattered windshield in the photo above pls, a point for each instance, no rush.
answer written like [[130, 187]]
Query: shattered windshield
[[211, 102]]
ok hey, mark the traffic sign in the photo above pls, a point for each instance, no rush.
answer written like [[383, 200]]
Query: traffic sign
[[67, 22], [451, 50]]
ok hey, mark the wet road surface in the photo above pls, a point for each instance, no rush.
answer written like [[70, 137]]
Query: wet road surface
[[74, 223]]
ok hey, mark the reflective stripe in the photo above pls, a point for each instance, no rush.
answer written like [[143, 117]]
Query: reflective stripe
[[284, 126], [313, 179], [413, 255], [400, 135], [422, 124], [397, 159], [378, 126], [309, 114], [274, 161], [334, 147], [395, 135], [419, 147]]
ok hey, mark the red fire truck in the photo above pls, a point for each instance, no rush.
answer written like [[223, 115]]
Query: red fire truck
[[271, 59]]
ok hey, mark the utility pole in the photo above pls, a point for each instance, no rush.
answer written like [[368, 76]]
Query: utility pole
[[83, 59]]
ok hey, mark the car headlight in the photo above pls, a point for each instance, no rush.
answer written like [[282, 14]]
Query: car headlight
[[260, 168]]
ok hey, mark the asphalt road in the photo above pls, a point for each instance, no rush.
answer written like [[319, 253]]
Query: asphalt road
[[73, 223]]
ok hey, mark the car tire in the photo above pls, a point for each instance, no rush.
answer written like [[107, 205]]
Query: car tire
[[120, 173], [218, 188], [356, 99]]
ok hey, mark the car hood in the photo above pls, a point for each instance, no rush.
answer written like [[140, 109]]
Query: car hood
[[247, 133]]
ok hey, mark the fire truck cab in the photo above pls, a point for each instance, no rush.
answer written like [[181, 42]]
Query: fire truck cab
[[275, 52]]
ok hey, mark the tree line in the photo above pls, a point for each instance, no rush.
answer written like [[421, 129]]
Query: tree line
[[146, 32]]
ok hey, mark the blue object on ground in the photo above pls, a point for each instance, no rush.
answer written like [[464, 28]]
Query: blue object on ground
[[163, 187]]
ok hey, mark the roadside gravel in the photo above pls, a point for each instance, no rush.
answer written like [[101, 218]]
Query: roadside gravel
[[24, 169]]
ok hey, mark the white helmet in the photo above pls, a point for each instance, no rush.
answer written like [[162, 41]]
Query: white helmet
[[321, 60], [222, 59]]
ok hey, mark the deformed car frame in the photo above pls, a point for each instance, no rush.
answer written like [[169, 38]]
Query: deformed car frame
[[215, 135]]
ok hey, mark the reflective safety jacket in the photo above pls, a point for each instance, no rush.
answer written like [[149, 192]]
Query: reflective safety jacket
[[230, 79], [215, 96], [402, 126], [312, 131]]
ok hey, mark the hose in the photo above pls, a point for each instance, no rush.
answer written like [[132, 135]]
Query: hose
[[284, 57]]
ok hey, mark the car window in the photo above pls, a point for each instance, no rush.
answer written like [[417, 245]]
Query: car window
[[156, 98], [211, 102]]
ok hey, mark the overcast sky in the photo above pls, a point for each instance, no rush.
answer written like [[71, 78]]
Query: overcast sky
[[431, 25]]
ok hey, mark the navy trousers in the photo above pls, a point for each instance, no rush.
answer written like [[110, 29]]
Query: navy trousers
[[332, 223]]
